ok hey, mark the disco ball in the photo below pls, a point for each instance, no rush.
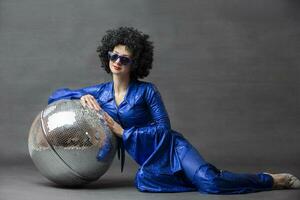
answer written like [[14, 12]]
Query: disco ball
[[71, 145]]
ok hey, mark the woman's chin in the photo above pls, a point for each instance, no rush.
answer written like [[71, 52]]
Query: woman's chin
[[118, 74]]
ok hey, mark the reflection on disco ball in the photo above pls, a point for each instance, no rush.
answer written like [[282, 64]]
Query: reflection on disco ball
[[70, 144]]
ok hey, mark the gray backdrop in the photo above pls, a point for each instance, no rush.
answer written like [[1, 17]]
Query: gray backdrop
[[228, 72]]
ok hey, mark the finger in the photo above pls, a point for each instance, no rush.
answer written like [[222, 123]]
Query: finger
[[90, 100], [108, 119], [89, 103], [82, 101], [110, 126], [108, 116], [95, 104], [105, 117]]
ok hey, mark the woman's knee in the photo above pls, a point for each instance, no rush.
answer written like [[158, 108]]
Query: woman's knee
[[207, 179]]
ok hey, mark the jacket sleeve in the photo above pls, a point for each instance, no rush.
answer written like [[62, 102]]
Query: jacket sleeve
[[66, 93], [141, 142]]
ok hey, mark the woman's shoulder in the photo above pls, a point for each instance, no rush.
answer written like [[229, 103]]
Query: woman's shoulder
[[147, 88], [146, 85]]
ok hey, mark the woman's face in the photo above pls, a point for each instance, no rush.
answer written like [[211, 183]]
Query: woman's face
[[116, 66]]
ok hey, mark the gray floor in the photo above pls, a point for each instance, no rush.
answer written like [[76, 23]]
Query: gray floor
[[23, 181]]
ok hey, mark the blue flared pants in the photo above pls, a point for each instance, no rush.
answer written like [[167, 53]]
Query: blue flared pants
[[209, 179]]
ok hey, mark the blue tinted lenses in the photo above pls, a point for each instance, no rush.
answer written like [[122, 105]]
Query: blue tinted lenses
[[123, 59]]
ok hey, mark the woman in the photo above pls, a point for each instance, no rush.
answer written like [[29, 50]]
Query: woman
[[135, 112]]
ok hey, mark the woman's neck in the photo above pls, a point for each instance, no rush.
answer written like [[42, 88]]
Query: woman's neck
[[120, 84]]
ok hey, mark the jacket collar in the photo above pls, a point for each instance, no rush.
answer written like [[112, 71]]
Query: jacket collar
[[127, 97]]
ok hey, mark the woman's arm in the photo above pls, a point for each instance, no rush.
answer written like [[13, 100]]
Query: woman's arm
[[141, 142], [66, 93]]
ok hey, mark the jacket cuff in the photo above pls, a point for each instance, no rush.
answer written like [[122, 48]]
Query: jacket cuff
[[126, 134]]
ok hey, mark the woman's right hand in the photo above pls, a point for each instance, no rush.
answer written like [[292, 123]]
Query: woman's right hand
[[90, 101]]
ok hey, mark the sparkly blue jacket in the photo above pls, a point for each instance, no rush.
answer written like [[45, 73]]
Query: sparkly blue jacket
[[147, 137]]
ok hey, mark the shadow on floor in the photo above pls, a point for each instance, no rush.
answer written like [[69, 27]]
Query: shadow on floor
[[100, 184]]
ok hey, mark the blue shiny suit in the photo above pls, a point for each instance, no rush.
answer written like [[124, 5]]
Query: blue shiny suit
[[168, 162]]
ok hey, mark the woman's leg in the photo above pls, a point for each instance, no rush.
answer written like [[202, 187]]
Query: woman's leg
[[208, 179]]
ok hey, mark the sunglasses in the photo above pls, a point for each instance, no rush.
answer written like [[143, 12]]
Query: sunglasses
[[122, 59]]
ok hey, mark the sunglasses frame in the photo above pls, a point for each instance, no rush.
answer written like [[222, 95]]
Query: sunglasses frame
[[121, 58]]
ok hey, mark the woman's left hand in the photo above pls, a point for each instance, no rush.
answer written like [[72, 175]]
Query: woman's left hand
[[114, 126]]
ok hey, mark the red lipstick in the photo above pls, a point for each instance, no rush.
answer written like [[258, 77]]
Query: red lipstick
[[116, 67]]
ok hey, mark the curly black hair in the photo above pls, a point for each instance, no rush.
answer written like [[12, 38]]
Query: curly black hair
[[136, 42]]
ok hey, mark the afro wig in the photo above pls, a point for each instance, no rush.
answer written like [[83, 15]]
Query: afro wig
[[138, 45]]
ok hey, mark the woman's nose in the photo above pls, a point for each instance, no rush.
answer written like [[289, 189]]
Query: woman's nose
[[118, 61]]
